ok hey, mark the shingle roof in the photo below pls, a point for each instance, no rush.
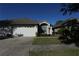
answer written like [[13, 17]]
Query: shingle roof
[[24, 21], [18, 21]]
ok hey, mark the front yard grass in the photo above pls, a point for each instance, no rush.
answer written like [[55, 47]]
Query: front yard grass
[[56, 52], [63, 52], [45, 40]]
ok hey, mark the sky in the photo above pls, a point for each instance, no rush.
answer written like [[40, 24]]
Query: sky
[[36, 11]]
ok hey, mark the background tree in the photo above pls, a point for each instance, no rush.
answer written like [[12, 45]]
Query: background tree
[[59, 22], [71, 25], [70, 8]]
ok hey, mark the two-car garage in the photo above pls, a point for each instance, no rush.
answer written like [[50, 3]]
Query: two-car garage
[[25, 31]]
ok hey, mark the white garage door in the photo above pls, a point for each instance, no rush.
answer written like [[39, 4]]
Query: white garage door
[[25, 31]]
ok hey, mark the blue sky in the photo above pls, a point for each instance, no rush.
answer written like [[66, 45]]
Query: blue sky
[[50, 12]]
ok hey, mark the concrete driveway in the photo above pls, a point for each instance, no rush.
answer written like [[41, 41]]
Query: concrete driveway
[[15, 46]]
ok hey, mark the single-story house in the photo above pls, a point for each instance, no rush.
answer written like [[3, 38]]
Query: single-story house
[[66, 24], [26, 27]]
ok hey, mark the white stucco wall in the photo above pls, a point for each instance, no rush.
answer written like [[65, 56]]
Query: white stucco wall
[[49, 31], [26, 31]]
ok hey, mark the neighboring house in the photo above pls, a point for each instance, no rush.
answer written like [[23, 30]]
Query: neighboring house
[[26, 27], [57, 27], [66, 24]]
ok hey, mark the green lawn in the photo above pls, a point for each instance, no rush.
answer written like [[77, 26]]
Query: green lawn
[[64, 52], [56, 52], [45, 40]]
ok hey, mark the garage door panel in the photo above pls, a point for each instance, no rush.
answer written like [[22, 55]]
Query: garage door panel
[[26, 31]]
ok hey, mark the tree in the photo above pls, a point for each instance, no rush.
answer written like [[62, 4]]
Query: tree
[[71, 25], [59, 22], [70, 33], [70, 8]]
